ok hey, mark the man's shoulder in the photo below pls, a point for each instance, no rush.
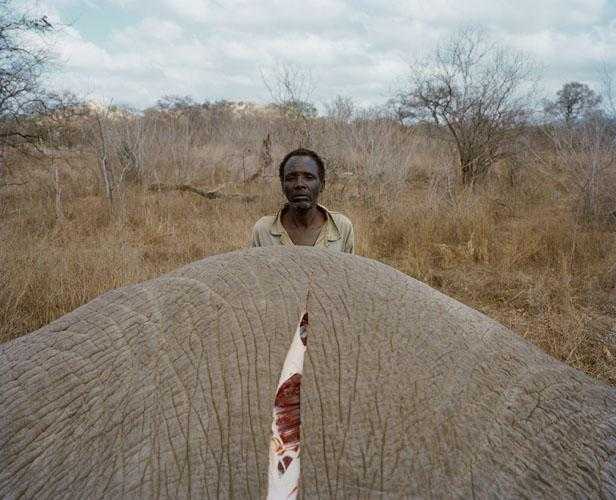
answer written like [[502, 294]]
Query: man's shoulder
[[264, 222], [262, 232], [343, 223]]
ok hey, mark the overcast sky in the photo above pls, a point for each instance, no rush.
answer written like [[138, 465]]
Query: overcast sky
[[133, 52]]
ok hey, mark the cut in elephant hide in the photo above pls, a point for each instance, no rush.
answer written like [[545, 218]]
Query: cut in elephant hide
[[166, 388]]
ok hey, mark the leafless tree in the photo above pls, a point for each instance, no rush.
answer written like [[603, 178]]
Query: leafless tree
[[106, 173], [21, 68], [58, 128], [574, 101], [291, 88], [585, 155], [476, 90], [341, 109]]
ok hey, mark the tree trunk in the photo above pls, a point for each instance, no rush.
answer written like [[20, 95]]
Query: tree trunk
[[106, 178], [103, 164], [58, 189], [2, 165], [467, 172]]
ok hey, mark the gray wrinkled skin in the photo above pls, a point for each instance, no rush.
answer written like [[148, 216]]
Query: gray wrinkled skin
[[166, 388]]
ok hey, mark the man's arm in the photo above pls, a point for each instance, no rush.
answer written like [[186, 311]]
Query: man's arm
[[349, 244], [254, 239]]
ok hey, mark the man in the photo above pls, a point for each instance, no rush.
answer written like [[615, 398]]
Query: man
[[302, 221]]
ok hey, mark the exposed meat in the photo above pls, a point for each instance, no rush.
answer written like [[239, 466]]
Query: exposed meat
[[287, 410]]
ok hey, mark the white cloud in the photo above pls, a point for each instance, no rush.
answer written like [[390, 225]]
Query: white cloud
[[149, 31], [216, 48], [194, 10]]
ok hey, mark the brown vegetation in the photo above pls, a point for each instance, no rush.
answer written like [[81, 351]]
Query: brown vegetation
[[513, 246]]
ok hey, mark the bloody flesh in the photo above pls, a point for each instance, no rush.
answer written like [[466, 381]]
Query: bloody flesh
[[288, 410]]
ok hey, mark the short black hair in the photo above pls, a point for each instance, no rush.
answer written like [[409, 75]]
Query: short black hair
[[303, 152]]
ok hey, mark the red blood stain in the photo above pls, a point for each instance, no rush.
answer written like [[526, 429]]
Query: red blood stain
[[284, 465], [288, 418]]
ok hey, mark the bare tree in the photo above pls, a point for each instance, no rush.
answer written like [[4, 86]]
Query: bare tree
[[586, 155], [106, 173], [291, 88], [341, 109], [21, 68], [574, 101], [57, 128], [476, 90]]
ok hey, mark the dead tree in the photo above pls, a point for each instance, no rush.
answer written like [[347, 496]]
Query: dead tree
[[476, 91]]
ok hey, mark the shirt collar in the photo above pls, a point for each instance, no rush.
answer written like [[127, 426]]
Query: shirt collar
[[333, 233]]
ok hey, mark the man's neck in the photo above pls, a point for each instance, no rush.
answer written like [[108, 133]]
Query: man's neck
[[303, 218]]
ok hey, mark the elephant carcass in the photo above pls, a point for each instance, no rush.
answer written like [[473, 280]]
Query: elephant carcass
[[165, 388]]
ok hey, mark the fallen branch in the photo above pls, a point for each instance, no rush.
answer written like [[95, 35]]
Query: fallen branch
[[163, 188], [7, 184], [210, 195]]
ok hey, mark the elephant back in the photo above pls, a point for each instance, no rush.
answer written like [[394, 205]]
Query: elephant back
[[165, 388]]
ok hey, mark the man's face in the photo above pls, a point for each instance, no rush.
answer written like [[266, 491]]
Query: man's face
[[301, 183]]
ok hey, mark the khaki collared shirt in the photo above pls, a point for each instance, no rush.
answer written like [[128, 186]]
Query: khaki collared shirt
[[337, 232]]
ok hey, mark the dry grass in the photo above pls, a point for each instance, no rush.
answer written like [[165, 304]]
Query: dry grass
[[516, 252]]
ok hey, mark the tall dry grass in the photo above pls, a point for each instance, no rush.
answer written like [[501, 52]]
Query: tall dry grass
[[513, 247]]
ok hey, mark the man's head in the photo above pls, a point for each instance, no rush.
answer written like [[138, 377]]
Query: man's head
[[302, 175]]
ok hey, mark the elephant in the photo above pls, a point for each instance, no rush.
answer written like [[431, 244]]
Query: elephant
[[165, 389]]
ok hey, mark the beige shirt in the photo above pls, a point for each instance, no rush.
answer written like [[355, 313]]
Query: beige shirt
[[337, 232]]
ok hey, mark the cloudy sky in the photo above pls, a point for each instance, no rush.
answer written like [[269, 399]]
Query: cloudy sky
[[132, 52]]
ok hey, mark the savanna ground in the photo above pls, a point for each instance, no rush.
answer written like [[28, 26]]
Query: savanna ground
[[513, 246]]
